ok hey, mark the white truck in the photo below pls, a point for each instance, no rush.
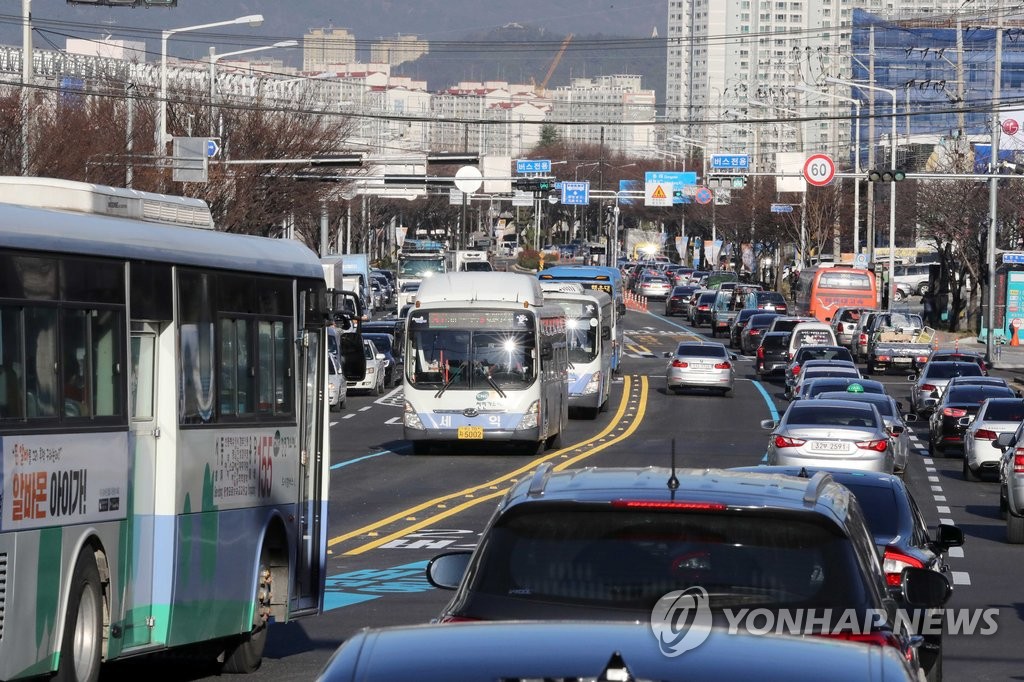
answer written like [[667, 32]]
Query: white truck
[[419, 258], [349, 272], [468, 261]]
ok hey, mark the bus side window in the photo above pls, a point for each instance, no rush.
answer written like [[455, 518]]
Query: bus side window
[[12, 405]]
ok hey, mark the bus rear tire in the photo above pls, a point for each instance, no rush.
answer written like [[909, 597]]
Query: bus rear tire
[[81, 645], [246, 652]]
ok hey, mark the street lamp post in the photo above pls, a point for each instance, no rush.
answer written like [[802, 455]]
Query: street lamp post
[[214, 58], [856, 159], [161, 130], [892, 185]]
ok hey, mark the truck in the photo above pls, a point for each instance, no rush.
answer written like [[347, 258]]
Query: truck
[[898, 340], [419, 258], [468, 261], [349, 272]]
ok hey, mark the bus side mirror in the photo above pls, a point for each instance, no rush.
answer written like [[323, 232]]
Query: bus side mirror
[[606, 333]]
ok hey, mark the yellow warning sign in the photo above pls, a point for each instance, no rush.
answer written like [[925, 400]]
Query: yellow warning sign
[[659, 193]]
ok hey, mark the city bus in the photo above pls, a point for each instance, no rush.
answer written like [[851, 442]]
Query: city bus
[[588, 317], [597, 278], [486, 359], [822, 291], [164, 469]]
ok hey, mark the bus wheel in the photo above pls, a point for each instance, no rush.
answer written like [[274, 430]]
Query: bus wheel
[[247, 652], [82, 642]]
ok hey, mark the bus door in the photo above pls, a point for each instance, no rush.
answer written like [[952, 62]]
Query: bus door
[[312, 489]]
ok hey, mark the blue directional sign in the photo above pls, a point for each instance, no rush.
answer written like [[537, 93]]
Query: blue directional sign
[[575, 193], [533, 166], [678, 180], [212, 148], [782, 208], [730, 161], [1015, 258]]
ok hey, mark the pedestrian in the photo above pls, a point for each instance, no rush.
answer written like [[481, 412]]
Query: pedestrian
[[928, 308]]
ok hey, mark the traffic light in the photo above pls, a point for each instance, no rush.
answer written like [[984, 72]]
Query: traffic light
[[726, 181], [886, 175], [534, 185]]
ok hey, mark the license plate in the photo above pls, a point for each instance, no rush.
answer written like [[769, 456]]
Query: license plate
[[901, 361], [471, 433], [828, 446], [701, 365]]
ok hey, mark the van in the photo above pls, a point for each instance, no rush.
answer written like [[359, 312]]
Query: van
[[811, 333]]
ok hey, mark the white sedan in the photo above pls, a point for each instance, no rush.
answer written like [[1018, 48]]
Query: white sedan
[[373, 381]]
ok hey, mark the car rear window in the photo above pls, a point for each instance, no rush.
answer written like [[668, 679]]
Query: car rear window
[[976, 394], [787, 324], [884, 406], [825, 353], [879, 505], [775, 341], [770, 297], [823, 385], [850, 316], [953, 369], [629, 559], [818, 372], [701, 351], [706, 298], [809, 414], [999, 411]]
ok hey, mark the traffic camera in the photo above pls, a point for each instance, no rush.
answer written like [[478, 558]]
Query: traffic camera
[[886, 175]]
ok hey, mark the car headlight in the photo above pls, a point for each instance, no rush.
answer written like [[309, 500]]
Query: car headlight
[[369, 370], [410, 418], [594, 385], [531, 419]]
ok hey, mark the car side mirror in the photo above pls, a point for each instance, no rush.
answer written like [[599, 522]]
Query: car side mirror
[[910, 418], [948, 536], [446, 570], [667, 354], [911, 377], [925, 588], [733, 357], [768, 424], [965, 421], [1003, 440], [931, 402], [896, 430]]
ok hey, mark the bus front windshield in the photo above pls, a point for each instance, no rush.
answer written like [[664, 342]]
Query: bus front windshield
[[581, 330], [420, 267], [471, 350]]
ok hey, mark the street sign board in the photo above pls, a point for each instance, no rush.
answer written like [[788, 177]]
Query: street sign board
[[521, 198], [704, 196], [730, 162], [782, 208], [1014, 257], [678, 179], [575, 193], [860, 261], [533, 166], [657, 194], [189, 159], [819, 170], [212, 148]]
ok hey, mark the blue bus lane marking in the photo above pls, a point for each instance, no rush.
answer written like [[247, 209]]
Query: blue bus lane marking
[[355, 587]]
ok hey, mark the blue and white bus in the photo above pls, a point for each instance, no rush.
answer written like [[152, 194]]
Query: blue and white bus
[[597, 278], [588, 319], [486, 358]]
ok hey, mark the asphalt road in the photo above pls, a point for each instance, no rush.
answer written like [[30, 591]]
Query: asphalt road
[[392, 511]]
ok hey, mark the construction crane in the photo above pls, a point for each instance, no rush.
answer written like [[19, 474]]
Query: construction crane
[[554, 65]]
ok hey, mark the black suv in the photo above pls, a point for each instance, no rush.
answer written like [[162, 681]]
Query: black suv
[[772, 354], [607, 543]]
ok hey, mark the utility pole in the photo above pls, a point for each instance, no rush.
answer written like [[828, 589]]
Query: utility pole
[[26, 83], [871, 147], [129, 103], [990, 255]]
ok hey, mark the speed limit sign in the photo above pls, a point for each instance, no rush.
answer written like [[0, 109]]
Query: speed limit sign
[[819, 170]]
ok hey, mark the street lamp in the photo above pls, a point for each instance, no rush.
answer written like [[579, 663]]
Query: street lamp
[[856, 159], [161, 130], [892, 185], [214, 58]]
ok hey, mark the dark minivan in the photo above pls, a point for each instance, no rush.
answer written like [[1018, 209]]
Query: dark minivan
[[772, 354]]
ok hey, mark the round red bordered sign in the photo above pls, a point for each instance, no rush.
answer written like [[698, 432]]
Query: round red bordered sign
[[1010, 126], [819, 170]]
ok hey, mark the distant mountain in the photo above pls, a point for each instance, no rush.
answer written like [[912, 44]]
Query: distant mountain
[[491, 29]]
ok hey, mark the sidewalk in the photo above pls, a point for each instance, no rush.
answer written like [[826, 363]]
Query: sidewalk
[[1004, 356]]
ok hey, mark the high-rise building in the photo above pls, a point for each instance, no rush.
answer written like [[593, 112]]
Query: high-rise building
[[398, 50], [731, 62], [322, 47]]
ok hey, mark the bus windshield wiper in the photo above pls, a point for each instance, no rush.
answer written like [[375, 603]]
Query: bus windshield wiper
[[455, 375], [494, 385]]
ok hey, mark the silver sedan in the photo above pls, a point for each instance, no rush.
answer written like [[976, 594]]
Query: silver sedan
[[831, 433], [995, 416], [700, 365], [894, 423]]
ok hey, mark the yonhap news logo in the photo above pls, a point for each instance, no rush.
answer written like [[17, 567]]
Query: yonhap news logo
[[681, 621]]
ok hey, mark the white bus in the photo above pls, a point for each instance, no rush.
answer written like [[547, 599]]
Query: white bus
[[163, 441], [485, 359], [588, 329]]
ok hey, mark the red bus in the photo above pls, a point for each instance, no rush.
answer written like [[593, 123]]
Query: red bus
[[823, 290]]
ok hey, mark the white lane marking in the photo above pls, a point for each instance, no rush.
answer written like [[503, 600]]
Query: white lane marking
[[943, 510], [334, 423], [931, 470], [349, 416], [961, 578], [940, 498], [955, 552], [933, 479], [936, 488], [928, 460], [393, 421], [950, 522], [364, 409]]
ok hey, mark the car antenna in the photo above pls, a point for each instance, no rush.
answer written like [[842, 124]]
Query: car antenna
[[673, 482], [803, 473]]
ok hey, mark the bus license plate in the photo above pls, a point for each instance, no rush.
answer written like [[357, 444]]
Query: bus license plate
[[471, 433]]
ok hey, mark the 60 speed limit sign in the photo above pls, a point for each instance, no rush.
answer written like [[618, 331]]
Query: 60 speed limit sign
[[819, 170]]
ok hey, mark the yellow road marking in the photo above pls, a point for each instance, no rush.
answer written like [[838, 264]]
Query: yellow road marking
[[636, 419]]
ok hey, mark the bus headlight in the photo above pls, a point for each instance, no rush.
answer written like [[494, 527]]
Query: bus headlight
[[410, 418], [594, 385], [531, 419]]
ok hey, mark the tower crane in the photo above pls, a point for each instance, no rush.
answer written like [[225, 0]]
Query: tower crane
[[554, 64]]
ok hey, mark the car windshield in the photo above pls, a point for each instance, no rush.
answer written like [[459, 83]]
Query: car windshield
[[690, 350], [629, 559], [976, 394], [382, 341], [1005, 411], [810, 414], [949, 370]]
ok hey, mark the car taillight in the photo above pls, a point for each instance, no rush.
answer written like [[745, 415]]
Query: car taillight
[[883, 358], [876, 445], [680, 363], [863, 338], [893, 563], [927, 387], [675, 298], [722, 365], [760, 352], [985, 434], [953, 412], [1018, 461], [668, 504], [702, 307], [754, 330], [785, 442], [922, 358]]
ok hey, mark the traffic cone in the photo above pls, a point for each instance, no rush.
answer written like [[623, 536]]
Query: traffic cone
[[1014, 339]]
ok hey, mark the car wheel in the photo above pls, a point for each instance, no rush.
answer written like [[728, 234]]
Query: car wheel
[[969, 473], [1014, 529], [931, 446], [923, 289], [898, 296]]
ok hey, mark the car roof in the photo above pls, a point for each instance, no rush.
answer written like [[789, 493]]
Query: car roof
[[854, 397], [824, 403], [841, 476], [595, 650]]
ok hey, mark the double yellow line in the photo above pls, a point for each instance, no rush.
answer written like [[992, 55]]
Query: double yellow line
[[626, 421]]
